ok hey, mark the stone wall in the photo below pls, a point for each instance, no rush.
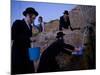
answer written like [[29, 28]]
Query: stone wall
[[83, 17]]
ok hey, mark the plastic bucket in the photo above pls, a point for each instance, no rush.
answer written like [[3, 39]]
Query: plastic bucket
[[34, 53]]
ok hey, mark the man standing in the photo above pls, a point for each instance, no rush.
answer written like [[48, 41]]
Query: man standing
[[21, 32], [65, 21]]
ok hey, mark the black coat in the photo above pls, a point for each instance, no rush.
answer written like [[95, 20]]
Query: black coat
[[63, 23], [48, 61], [20, 34]]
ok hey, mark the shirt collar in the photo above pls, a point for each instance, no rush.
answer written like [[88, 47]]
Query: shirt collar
[[27, 23]]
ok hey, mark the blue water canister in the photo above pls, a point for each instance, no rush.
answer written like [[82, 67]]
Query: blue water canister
[[80, 52], [34, 53]]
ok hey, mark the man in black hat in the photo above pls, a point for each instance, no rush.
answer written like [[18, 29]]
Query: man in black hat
[[21, 32], [65, 21], [48, 61]]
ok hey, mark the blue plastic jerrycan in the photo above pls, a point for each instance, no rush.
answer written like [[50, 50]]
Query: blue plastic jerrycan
[[34, 53]]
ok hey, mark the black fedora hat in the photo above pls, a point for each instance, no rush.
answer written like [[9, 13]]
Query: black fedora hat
[[60, 34], [66, 12], [30, 10]]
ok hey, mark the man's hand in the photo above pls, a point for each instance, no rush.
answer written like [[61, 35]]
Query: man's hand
[[32, 39], [77, 49]]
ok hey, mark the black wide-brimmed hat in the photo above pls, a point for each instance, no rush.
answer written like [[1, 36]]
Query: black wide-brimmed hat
[[66, 12], [30, 10], [60, 34]]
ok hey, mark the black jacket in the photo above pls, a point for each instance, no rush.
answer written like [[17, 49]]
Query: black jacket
[[63, 23], [20, 34]]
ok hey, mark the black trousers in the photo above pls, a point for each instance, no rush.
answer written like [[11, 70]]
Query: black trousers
[[20, 63]]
